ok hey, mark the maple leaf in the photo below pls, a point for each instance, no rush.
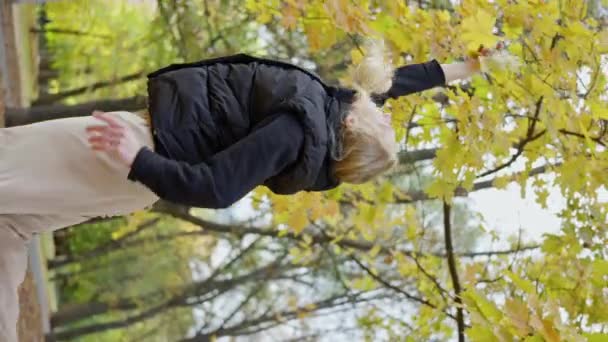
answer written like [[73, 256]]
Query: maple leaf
[[478, 30]]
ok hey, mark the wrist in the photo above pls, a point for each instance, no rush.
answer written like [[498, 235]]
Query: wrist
[[133, 156], [474, 64], [459, 70], [139, 165]]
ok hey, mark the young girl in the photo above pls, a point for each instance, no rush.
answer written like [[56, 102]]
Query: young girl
[[218, 128]]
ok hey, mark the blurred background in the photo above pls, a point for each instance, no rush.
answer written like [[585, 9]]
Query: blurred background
[[523, 250]]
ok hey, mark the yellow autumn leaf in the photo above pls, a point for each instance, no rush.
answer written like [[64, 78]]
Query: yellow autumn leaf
[[479, 333], [264, 18], [365, 283], [298, 220], [478, 30], [517, 311], [597, 337], [301, 314], [599, 109], [546, 328], [374, 251], [310, 306], [524, 284]]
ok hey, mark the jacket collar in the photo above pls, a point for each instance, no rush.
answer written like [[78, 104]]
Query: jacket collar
[[337, 107]]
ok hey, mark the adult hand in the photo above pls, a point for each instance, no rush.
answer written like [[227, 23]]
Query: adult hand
[[115, 138]]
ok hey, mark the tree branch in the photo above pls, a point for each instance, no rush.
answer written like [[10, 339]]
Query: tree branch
[[447, 230], [598, 140], [419, 196], [103, 248], [408, 157], [530, 136], [176, 38], [391, 286], [432, 278], [181, 299], [71, 32], [241, 230], [274, 318]]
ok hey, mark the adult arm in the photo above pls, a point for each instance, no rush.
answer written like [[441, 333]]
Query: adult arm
[[228, 175]]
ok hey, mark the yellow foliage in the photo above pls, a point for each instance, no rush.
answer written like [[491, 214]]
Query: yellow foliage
[[478, 30], [559, 91]]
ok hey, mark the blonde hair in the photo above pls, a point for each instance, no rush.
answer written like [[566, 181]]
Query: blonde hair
[[368, 151]]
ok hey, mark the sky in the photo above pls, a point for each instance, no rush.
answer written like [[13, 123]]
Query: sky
[[506, 212]]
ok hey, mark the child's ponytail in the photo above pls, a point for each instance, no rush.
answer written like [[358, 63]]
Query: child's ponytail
[[369, 146], [374, 73]]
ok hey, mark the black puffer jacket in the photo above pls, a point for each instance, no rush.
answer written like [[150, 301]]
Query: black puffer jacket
[[223, 126]]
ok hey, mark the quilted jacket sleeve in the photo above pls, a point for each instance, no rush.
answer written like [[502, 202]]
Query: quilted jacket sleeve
[[227, 176]]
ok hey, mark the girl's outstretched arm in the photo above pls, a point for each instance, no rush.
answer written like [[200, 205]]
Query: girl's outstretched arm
[[482, 60], [460, 70], [413, 78], [469, 67]]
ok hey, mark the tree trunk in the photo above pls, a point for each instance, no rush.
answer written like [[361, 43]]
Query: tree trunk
[[180, 298], [106, 248], [24, 116], [120, 245], [75, 312], [45, 75], [48, 99], [71, 33]]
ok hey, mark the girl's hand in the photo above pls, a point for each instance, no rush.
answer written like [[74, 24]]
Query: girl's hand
[[116, 139], [498, 58], [481, 60], [474, 61]]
